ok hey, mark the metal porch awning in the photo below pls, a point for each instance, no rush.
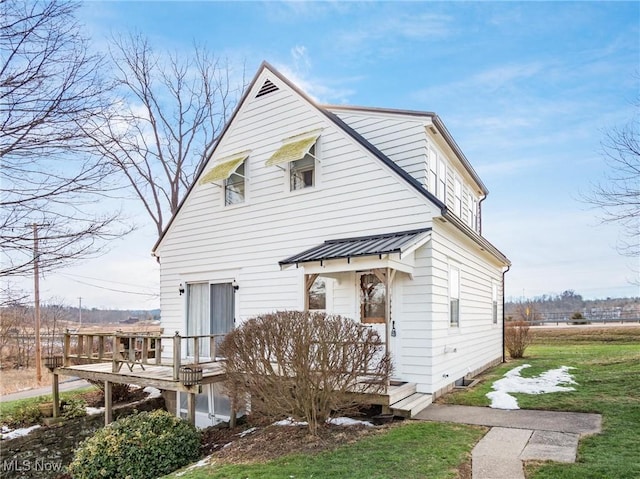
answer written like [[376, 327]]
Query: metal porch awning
[[398, 245]]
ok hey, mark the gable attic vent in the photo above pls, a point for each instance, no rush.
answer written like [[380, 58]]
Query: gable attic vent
[[267, 87]]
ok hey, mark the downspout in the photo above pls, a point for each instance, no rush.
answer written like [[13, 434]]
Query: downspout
[[479, 212], [503, 315]]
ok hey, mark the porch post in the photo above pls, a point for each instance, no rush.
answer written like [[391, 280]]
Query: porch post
[[108, 411], [387, 310], [191, 408]]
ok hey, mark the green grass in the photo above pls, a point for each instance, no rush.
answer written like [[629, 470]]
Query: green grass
[[25, 409], [608, 376], [411, 450]]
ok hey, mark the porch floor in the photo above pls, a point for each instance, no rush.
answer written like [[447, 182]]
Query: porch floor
[[157, 376]]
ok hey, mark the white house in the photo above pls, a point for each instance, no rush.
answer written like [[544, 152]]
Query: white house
[[370, 213]]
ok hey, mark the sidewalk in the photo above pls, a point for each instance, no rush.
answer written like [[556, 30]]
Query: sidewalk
[[67, 385], [517, 435]]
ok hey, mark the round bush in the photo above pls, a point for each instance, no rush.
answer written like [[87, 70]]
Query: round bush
[[145, 445]]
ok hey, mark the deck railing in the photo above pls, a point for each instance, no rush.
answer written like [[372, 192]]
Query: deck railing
[[140, 348]]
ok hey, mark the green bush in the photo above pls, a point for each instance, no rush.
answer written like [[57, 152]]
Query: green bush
[[74, 407], [145, 445], [25, 415]]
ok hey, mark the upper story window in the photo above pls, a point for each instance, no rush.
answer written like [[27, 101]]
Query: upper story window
[[234, 186], [302, 172], [229, 173], [442, 180], [472, 211], [457, 197], [299, 152]]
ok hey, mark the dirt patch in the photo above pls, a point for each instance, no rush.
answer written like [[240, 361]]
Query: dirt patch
[[244, 444]]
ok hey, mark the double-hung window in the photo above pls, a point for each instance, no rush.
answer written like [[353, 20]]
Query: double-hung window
[[457, 197], [494, 302], [302, 171], [454, 296], [442, 180], [234, 187]]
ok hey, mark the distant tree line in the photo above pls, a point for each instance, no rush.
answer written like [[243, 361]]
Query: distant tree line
[[568, 303]]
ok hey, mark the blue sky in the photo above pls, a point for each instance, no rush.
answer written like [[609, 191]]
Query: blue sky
[[528, 91]]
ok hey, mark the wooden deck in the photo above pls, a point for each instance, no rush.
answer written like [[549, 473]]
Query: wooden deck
[[160, 377], [137, 358]]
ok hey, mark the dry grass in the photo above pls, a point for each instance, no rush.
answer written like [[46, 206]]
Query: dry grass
[[14, 380], [580, 334]]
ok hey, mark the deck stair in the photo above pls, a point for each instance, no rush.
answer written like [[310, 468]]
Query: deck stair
[[411, 405]]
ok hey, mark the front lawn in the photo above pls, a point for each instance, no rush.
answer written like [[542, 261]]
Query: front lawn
[[607, 371], [409, 450]]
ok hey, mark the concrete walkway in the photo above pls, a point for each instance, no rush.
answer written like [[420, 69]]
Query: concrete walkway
[[517, 435]]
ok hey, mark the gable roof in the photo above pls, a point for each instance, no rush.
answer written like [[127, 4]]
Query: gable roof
[[410, 180], [437, 122]]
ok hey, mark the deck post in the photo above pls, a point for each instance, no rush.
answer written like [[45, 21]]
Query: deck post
[[108, 403], [176, 356], [67, 348], [100, 347], [55, 393], [191, 408], [158, 350]]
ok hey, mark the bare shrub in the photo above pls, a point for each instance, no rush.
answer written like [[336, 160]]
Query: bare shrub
[[517, 338], [303, 365], [119, 392]]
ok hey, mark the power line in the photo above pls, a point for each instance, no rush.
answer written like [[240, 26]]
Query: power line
[[69, 276], [152, 295]]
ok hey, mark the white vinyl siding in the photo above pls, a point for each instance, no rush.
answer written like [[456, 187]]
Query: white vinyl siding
[[403, 140], [477, 340], [355, 195], [275, 225]]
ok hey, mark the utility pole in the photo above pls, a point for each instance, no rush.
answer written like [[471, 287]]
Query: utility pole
[[80, 311], [36, 293]]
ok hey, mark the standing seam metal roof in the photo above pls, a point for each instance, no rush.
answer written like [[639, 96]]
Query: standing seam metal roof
[[360, 246]]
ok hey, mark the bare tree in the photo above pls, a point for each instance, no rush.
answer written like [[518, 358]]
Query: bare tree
[[51, 91], [172, 112], [619, 195], [527, 311]]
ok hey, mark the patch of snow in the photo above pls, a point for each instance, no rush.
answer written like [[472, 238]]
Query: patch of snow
[[290, 422], [550, 381], [338, 421], [152, 392], [247, 431], [347, 421], [200, 463], [18, 432], [92, 411]]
